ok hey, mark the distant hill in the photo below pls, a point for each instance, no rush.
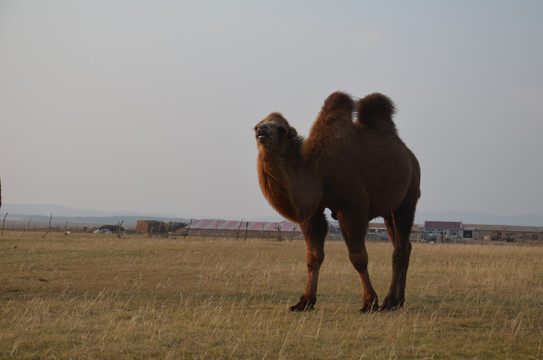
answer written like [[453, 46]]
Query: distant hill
[[40, 214], [56, 210]]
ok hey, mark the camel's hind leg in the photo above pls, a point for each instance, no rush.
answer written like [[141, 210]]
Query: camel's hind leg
[[314, 232], [354, 233], [399, 224]]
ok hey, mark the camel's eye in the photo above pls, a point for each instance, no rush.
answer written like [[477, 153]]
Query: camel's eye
[[282, 131]]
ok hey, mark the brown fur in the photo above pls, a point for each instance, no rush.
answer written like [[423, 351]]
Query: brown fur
[[358, 169]]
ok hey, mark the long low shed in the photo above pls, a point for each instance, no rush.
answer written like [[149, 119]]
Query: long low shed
[[243, 229]]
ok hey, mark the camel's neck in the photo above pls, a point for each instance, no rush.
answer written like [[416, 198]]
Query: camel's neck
[[289, 184]]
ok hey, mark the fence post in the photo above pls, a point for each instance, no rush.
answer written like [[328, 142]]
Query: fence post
[[119, 231], [237, 231], [292, 233], [49, 227], [28, 225], [278, 229], [188, 228], [3, 224]]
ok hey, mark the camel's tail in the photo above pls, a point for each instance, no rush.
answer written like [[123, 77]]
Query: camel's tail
[[375, 112]]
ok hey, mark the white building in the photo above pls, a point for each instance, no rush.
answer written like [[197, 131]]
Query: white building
[[438, 230]]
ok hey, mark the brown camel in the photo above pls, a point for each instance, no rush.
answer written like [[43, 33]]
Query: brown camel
[[359, 170]]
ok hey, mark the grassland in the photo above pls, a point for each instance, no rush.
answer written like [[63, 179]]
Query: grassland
[[96, 296]]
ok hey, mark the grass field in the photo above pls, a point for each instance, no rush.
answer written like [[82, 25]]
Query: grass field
[[96, 296]]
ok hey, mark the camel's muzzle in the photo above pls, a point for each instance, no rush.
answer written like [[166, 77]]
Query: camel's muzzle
[[262, 132]]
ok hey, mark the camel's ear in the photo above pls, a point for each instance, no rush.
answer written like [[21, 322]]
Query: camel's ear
[[292, 133]]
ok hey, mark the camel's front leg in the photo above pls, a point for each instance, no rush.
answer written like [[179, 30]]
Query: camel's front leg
[[314, 232]]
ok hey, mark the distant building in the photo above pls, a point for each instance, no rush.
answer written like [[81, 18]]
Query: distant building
[[112, 228], [157, 227], [378, 232], [242, 229], [266, 230], [510, 233], [442, 230], [150, 227]]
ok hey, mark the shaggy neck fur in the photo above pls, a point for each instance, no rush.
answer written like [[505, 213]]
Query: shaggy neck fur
[[286, 179]]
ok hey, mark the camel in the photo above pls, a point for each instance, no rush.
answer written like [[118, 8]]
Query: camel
[[359, 170]]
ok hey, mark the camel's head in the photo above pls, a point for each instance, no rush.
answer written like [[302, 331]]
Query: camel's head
[[274, 133]]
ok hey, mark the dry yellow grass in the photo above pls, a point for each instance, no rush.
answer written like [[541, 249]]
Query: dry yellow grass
[[96, 296]]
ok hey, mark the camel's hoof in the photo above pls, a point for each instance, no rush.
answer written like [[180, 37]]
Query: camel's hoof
[[370, 307], [389, 305], [303, 305]]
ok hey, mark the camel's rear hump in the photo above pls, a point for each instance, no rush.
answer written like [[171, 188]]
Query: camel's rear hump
[[375, 112]]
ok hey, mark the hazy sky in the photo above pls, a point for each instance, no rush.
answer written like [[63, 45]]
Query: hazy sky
[[149, 105]]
